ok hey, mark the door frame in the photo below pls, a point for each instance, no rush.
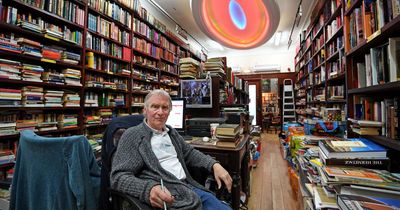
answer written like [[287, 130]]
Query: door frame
[[257, 83]]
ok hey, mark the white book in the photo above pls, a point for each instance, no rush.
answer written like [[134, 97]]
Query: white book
[[393, 57], [368, 70], [361, 74], [374, 66]]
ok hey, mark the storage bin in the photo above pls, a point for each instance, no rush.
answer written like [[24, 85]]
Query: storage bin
[[324, 128], [286, 125]]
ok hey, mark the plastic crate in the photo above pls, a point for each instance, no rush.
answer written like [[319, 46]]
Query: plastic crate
[[324, 128], [286, 125]]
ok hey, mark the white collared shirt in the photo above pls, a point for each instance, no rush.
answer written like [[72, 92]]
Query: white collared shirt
[[165, 152]]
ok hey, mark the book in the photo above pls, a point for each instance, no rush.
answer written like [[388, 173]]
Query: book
[[322, 200], [229, 144], [355, 202], [394, 59], [228, 137], [352, 148], [353, 173], [377, 163], [228, 129]]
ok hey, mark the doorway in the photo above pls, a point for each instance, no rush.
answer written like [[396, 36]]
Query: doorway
[[255, 107]]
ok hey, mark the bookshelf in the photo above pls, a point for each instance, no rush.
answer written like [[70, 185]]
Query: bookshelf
[[320, 63], [91, 61], [372, 78]]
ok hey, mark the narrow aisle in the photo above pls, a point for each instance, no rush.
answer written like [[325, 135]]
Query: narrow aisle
[[270, 187]]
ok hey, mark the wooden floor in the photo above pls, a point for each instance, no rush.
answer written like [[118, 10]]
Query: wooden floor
[[270, 187]]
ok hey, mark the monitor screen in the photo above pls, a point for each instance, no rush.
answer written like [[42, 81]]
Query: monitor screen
[[198, 93], [177, 115]]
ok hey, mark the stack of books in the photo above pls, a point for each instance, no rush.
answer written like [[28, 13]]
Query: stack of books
[[10, 69], [31, 73], [9, 45], [188, 68], [72, 77], [7, 128], [53, 77], [6, 157], [71, 99], [215, 66], [66, 121], [30, 47], [47, 126], [366, 127], [353, 152], [228, 135], [32, 96], [53, 98], [70, 57], [10, 97]]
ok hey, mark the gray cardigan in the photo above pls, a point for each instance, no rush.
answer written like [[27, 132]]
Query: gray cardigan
[[136, 169]]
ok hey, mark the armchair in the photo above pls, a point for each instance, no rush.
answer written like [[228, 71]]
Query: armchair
[[113, 199], [54, 173]]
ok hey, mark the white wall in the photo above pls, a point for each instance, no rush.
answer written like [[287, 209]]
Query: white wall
[[247, 59]]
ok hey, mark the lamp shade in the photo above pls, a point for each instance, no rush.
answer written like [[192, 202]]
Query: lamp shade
[[239, 24]]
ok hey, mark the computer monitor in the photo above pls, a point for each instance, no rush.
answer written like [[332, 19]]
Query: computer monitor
[[176, 117], [197, 92]]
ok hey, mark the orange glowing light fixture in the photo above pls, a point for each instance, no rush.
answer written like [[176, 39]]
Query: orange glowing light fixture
[[239, 24]]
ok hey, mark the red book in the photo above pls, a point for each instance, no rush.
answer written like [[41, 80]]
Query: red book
[[126, 54], [9, 90]]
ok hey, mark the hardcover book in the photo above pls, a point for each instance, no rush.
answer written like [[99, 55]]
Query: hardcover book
[[377, 163], [352, 148], [355, 202], [228, 129]]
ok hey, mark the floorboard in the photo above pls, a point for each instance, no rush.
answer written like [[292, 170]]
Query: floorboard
[[270, 185]]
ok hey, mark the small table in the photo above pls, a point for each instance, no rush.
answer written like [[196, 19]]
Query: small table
[[236, 162]]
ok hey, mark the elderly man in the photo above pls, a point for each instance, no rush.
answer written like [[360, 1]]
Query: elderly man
[[151, 162]]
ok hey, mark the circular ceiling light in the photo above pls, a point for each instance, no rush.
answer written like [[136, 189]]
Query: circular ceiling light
[[240, 24]]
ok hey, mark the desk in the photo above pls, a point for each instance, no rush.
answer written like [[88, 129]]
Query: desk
[[236, 162]]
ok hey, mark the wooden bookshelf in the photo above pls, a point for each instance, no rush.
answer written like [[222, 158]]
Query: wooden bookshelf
[[371, 40], [321, 54], [156, 70]]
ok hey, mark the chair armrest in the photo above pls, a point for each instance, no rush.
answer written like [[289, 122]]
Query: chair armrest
[[122, 201]]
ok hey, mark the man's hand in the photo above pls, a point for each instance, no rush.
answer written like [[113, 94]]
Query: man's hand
[[158, 197], [221, 174]]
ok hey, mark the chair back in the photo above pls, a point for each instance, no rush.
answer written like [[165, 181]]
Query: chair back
[[111, 136], [54, 173]]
